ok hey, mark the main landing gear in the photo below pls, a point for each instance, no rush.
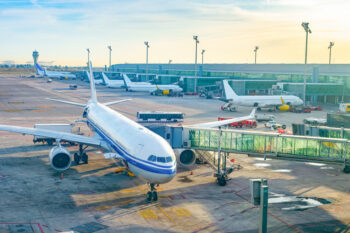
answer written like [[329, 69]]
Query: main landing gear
[[81, 156], [152, 195]]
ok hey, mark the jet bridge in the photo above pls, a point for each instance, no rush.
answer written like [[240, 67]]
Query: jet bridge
[[213, 145]]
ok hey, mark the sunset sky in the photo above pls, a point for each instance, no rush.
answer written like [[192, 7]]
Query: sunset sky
[[228, 30]]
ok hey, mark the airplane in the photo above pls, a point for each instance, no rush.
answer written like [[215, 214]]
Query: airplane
[[147, 87], [53, 74], [97, 81], [112, 83], [260, 101], [143, 152]]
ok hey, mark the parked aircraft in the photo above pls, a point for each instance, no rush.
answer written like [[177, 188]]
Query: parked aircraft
[[112, 83], [53, 74], [97, 81], [144, 153], [261, 101], [147, 87]]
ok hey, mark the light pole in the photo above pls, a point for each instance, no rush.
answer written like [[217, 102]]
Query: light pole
[[147, 46], [203, 51], [305, 25], [110, 56], [195, 64], [256, 51], [331, 44], [88, 50]]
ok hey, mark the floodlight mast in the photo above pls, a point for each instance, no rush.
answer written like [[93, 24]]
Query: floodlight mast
[[110, 57], [305, 25], [256, 51], [203, 51], [88, 50], [147, 46], [331, 44], [195, 63]]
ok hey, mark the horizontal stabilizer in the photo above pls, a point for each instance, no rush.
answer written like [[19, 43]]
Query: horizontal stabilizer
[[116, 102], [67, 102]]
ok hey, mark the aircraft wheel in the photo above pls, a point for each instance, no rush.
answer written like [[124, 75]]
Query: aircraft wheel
[[149, 196], [85, 158], [346, 169], [222, 181], [155, 196], [259, 109], [76, 158]]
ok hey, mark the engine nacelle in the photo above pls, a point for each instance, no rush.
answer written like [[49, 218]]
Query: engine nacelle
[[284, 107], [185, 157], [60, 158]]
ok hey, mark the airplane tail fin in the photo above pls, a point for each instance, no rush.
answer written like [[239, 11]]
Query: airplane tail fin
[[252, 114], [228, 91], [282, 100], [105, 78], [127, 81], [92, 84], [39, 70]]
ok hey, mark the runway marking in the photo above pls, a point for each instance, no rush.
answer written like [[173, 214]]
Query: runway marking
[[163, 211], [39, 110], [127, 190], [182, 212], [45, 106], [147, 213]]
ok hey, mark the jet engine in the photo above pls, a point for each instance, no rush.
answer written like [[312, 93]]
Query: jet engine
[[60, 158], [185, 157], [284, 107]]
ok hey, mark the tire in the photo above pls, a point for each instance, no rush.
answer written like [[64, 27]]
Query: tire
[[222, 181], [155, 196], [346, 169], [284, 126], [85, 158], [149, 196], [76, 158], [49, 142]]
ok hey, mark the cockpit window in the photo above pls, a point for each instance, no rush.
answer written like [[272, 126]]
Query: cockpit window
[[161, 159], [168, 159], [152, 158]]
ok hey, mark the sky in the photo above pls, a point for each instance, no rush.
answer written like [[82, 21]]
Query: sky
[[228, 30]]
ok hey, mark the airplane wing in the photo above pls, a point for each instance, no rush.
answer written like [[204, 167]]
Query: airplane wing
[[213, 124], [54, 134]]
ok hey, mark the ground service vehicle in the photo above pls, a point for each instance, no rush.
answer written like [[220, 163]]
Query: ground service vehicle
[[344, 107], [229, 107], [264, 117], [274, 125], [151, 117]]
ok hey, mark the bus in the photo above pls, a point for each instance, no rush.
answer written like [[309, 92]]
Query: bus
[[163, 117]]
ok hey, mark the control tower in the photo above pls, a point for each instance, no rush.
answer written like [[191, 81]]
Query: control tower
[[35, 57]]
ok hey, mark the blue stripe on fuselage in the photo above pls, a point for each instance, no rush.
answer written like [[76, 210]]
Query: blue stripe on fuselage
[[131, 159]]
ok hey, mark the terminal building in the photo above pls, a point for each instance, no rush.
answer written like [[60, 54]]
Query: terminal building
[[325, 83]]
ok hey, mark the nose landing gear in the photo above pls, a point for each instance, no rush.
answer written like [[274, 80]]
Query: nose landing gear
[[152, 195]]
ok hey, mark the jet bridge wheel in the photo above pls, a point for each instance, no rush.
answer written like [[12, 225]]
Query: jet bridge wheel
[[222, 180]]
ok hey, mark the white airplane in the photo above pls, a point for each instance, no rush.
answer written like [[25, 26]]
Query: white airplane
[[97, 81], [144, 153], [147, 87], [113, 83], [261, 101], [53, 74]]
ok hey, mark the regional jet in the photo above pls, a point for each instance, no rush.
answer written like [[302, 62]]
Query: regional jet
[[147, 87], [53, 74], [281, 102], [143, 152]]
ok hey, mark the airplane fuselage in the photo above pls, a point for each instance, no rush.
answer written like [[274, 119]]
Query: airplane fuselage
[[134, 143], [266, 100]]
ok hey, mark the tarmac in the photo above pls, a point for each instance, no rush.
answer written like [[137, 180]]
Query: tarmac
[[304, 197]]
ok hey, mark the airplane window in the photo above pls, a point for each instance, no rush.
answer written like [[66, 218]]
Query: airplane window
[[161, 159], [152, 158], [168, 159]]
